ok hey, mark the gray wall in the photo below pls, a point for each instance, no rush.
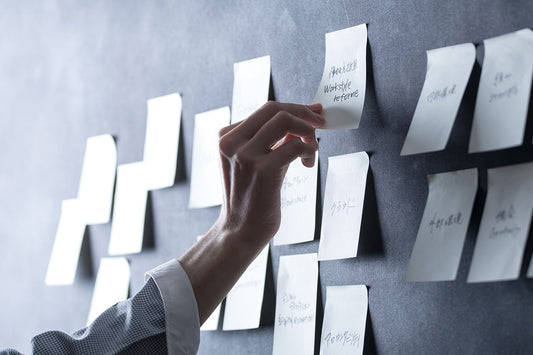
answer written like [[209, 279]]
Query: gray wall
[[73, 69]]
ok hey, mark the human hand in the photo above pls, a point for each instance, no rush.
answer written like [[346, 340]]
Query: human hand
[[255, 155]]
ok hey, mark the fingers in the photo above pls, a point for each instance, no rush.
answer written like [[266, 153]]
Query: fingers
[[310, 114], [278, 127], [294, 148]]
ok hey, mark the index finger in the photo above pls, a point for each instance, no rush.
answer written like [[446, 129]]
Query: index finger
[[252, 125]]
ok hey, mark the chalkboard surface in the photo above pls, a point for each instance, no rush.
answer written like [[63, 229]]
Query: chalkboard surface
[[71, 70]]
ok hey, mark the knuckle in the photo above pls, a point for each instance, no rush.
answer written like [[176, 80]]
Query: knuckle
[[243, 159], [225, 146]]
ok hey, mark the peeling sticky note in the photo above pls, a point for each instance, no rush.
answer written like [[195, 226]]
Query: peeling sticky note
[[343, 206], [112, 285], [343, 330], [294, 327], [251, 84], [448, 70], [342, 88], [504, 224], [298, 203], [161, 142], [245, 299], [206, 177], [503, 95], [98, 179], [442, 232], [127, 229], [66, 250]]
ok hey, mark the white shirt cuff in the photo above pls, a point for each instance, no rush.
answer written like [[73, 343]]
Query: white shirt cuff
[[181, 311]]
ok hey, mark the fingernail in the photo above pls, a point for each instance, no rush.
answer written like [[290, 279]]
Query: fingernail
[[316, 108]]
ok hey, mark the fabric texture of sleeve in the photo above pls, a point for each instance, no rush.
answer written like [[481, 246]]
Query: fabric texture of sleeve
[[126, 325], [181, 311]]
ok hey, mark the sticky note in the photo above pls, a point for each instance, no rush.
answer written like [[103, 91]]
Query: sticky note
[[127, 229], [530, 269], [448, 70], [97, 180], [298, 203], [441, 235], [503, 95], [211, 323], [343, 330], [245, 299], [294, 326], [343, 206], [66, 250], [112, 285], [251, 84], [504, 224], [206, 176], [162, 139], [342, 88]]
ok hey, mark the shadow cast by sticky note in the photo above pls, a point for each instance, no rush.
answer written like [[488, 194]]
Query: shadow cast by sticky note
[[319, 317], [85, 270], [181, 167], [268, 309], [369, 346], [271, 93], [371, 107], [370, 242], [148, 234], [318, 208]]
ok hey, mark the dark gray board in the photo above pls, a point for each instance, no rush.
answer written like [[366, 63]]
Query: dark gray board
[[74, 69]]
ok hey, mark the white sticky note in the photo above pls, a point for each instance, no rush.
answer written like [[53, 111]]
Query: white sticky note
[[206, 176], [245, 299], [162, 139], [112, 285], [441, 235], [342, 88], [251, 83], [97, 180], [447, 74], [298, 203], [127, 229], [343, 206], [343, 330], [503, 95], [211, 323], [294, 326], [504, 224], [66, 250]]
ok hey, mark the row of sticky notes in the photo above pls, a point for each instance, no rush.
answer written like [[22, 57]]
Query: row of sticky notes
[[343, 327], [502, 233], [502, 99]]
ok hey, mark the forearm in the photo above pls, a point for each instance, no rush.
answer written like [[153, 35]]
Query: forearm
[[216, 262]]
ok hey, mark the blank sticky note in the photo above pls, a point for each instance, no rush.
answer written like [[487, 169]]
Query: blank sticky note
[[343, 206], [441, 235], [251, 84], [343, 330], [206, 176], [98, 179], [66, 250], [111, 286], [129, 211], [504, 224], [342, 88], [447, 73], [294, 326], [245, 299], [503, 95], [298, 203], [211, 323], [161, 142]]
